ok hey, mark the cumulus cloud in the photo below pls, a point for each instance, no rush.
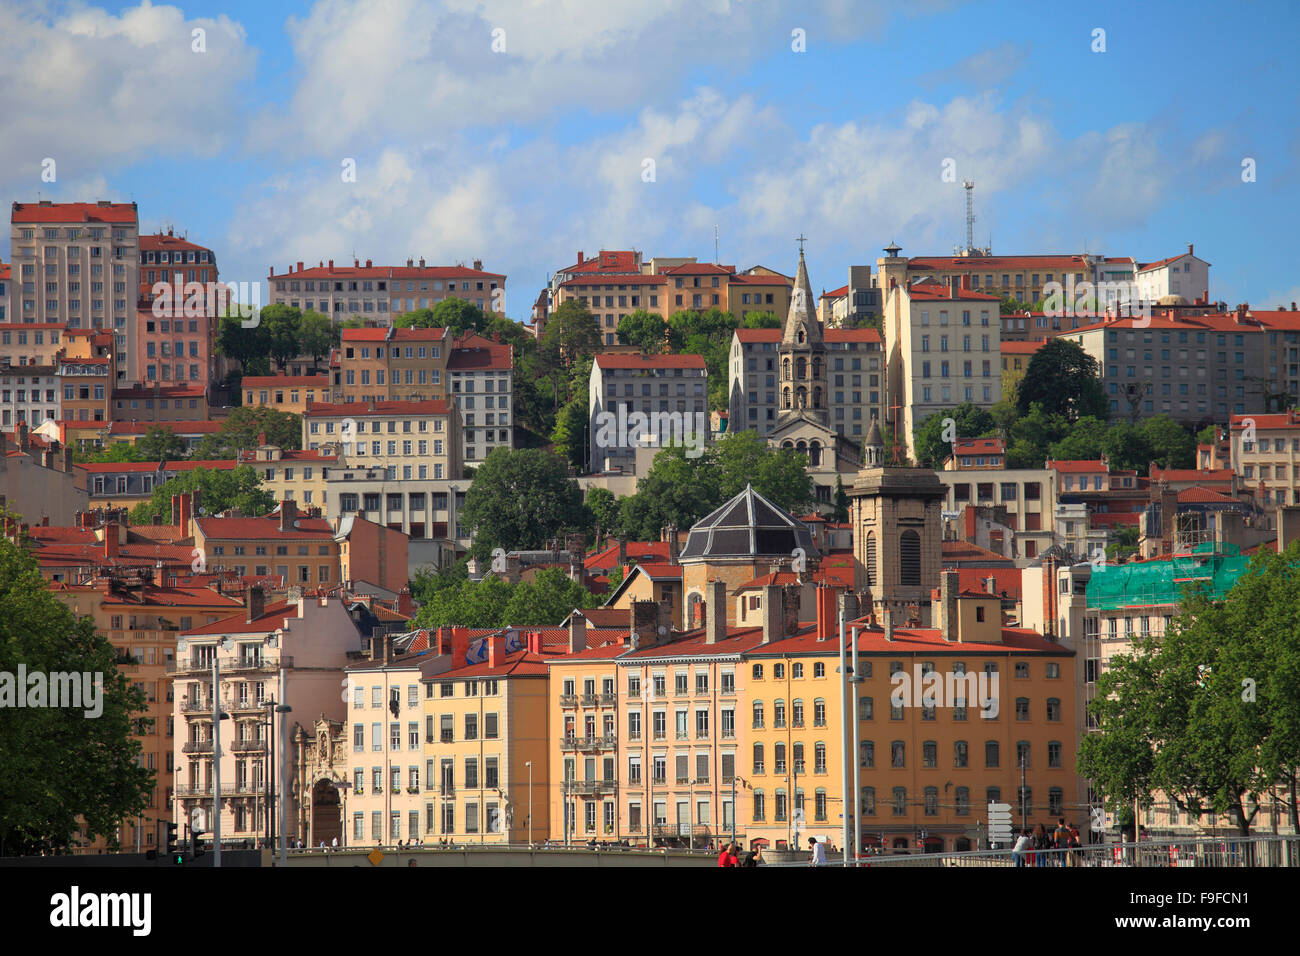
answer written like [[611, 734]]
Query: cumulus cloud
[[96, 91]]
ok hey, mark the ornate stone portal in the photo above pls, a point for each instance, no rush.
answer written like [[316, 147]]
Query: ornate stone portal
[[322, 776]]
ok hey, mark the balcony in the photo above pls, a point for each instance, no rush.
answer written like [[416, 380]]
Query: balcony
[[197, 747], [609, 700], [683, 735], [247, 746], [189, 706], [682, 831], [568, 700], [591, 787], [590, 700], [569, 744], [245, 705]]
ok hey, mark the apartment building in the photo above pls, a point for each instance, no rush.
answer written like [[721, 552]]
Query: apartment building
[[375, 294], [77, 264], [426, 510], [1196, 369], [626, 384], [855, 380], [410, 439], [38, 479], [292, 475], [977, 454], [31, 344], [293, 653], [286, 393], [143, 619], [85, 384], [175, 260], [392, 364], [480, 373], [851, 304], [300, 549], [1186, 276], [125, 484], [944, 349], [610, 297], [174, 346], [29, 394], [161, 403], [1265, 452], [1016, 357], [758, 290]]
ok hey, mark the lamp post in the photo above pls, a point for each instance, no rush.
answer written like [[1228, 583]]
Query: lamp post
[[217, 718], [529, 765], [855, 679], [284, 710], [844, 732]]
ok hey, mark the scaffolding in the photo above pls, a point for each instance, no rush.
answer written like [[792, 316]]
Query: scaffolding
[[1161, 582]]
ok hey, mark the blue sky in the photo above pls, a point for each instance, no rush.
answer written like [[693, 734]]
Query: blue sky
[[522, 157]]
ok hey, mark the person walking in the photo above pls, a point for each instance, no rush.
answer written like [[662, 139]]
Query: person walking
[[818, 853], [1042, 843], [729, 855], [1021, 848]]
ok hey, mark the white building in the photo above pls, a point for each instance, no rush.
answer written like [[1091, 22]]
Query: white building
[[1185, 275]]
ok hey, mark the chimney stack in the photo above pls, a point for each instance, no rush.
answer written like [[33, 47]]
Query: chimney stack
[[954, 283], [288, 514], [827, 619], [715, 612], [20, 431], [496, 647], [622, 550], [644, 630], [773, 612], [887, 622], [577, 632], [948, 588], [255, 603]]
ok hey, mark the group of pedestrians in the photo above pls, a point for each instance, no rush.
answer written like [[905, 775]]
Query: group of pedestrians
[[731, 855], [1031, 849]]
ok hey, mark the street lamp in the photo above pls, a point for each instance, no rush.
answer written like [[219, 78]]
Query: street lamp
[[217, 717], [855, 679], [529, 765], [283, 709], [845, 738]]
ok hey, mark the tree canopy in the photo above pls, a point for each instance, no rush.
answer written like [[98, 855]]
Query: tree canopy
[[59, 768], [970, 421], [242, 428], [237, 487], [1063, 378], [520, 498]]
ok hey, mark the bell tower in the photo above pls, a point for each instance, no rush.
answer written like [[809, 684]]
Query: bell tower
[[803, 353]]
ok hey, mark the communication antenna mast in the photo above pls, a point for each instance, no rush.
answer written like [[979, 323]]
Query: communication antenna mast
[[969, 186]]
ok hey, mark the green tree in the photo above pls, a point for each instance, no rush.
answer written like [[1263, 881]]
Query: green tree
[[250, 347], [316, 336], [519, 499], [59, 770], [570, 433], [546, 601], [761, 320], [241, 430], [969, 421], [160, 444], [643, 329], [283, 324], [1030, 437], [1172, 445], [604, 511], [218, 490], [841, 512], [457, 315], [1208, 435], [118, 451], [571, 333], [1063, 378]]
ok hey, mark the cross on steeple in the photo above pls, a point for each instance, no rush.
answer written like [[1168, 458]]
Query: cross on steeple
[[801, 239]]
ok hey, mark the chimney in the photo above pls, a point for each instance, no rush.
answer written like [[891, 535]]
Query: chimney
[[827, 619], [1189, 248], [773, 611], [579, 257], [715, 612], [887, 622], [300, 267], [254, 603], [368, 263], [954, 285], [965, 282], [187, 500], [948, 588], [67, 459], [622, 550], [20, 430], [645, 624], [848, 604], [331, 264], [674, 544], [405, 606], [478, 265], [496, 647], [176, 511], [356, 263], [577, 632], [790, 603], [288, 514], [112, 543], [422, 262]]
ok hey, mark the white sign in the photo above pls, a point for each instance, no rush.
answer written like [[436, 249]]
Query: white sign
[[999, 823]]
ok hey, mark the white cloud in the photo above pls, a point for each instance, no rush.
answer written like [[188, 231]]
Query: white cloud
[[96, 92]]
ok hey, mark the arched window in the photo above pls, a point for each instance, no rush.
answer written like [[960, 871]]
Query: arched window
[[785, 396], [819, 713], [929, 754], [817, 397], [866, 708], [796, 713], [780, 807], [898, 754], [931, 801], [802, 395], [785, 369], [801, 368], [960, 754], [760, 805], [819, 804], [798, 758], [801, 335], [909, 559], [758, 715], [868, 801], [819, 757], [815, 449], [991, 753], [1022, 753], [1053, 708], [778, 714], [817, 366], [869, 558], [778, 758], [801, 447], [1055, 801], [758, 758], [900, 805], [787, 445], [778, 671], [963, 801], [758, 672]]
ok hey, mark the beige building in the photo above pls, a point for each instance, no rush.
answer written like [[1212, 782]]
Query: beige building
[[612, 297], [943, 347], [78, 264], [672, 390], [38, 480], [410, 439], [1027, 496], [1265, 452], [22, 345], [294, 652], [286, 393], [294, 475]]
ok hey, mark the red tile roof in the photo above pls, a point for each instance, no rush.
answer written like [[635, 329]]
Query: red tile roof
[[636, 550], [700, 268], [271, 619], [937, 292], [1191, 474], [1204, 496], [851, 335], [836, 293], [606, 259], [991, 263], [599, 280], [266, 527], [1280, 420], [629, 360], [1073, 467], [430, 406], [955, 552], [1163, 262], [61, 212], [1021, 348], [154, 241], [387, 272], [977, 445], [478, 358], [660, 572], [760, 278]]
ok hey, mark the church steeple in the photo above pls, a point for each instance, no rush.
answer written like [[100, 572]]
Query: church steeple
[[801, 325]]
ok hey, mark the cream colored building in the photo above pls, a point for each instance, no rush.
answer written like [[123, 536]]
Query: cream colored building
[[410, 439], [298, 476], [1265, 453]]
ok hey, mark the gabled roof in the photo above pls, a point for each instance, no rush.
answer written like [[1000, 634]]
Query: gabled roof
[[748, 526], [1074, 466]]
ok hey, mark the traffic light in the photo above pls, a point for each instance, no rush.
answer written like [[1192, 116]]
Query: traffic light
[[173, 852]]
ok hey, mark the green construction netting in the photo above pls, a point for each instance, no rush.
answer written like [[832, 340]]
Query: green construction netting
[[1148, 583]]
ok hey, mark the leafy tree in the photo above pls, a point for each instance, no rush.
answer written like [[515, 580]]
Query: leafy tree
[[1085, 441], [283, 324], [1030, 437], [1063, 378], [1208, 435], [219, 490], [355, 324], [316, 336], [643, 329], [452, 313], [118, 451], [570, 433], [571, 332], [249, 347], [242, 428], [1207, 712], [761, 320], [604, 511], [493, 602], [520, 498], [1172, 445], [429, 580], [1125, 543], [60, 770], [841, 510], [970, 421], [547, 600], [160, 444]]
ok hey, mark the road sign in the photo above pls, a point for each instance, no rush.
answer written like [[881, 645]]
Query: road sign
[[999, 823]]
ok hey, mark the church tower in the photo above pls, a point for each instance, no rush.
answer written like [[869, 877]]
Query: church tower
[[897, 533], [803, 354]]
